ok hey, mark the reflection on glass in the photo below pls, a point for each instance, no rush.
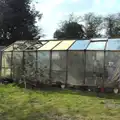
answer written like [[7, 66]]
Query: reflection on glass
[[17, 65], [76, 64], [112, 67], [6, 59], [94, 67], [99, 39], [43, 59], [79, 45], [113, 44], [96, 46], [59, 60]]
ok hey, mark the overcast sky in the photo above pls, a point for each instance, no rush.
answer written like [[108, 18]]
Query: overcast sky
[[56, 10]]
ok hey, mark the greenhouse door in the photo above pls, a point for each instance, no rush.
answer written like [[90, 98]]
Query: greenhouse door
[[94, 68]]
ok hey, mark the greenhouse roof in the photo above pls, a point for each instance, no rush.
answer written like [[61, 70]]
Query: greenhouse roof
[[90, 44]]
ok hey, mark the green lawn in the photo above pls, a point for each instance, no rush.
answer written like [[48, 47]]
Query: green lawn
[[20, 104]]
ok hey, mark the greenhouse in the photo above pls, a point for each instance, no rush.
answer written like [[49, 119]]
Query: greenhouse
[[72, 62]]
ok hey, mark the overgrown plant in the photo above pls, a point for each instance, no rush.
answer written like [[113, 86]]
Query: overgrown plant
[[25, 70]]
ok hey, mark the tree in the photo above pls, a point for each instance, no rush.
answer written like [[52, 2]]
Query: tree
[[17, 21], [112, 25], [70, 29], [93, 25]]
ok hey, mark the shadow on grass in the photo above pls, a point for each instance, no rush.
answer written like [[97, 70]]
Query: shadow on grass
[[82, 93], [51, 90]]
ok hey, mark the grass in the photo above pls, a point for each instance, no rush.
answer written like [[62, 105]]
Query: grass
[[20, 104]]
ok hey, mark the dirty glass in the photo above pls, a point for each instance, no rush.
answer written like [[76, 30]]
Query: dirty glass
[[9, 48], [30, 65], [17, 63], [94, 68], [43, 58], [23, 45], [34, 47], [19, 45], [76, 67], [43, 64], [59, 60], [58, 76], [58, 66], [79, 45], [113, 44], [6, 59], [112, 67], [6, 72]]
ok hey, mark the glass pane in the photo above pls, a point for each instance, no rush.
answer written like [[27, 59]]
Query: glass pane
[[59, 60], [6, 72], [58, 66], [23, 45], [43, 59], [6, 59], [9, 48], [58, 76], [112, 67], [113, 44], [49, 45], [76, 64], [17, 65], [43, 63], [96, 46], [98, 39], [79, 45], [43, 75], [34, 47], [94, 68], [30, 65], [64, 45]]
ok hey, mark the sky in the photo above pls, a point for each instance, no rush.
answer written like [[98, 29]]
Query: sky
[[56, 10]]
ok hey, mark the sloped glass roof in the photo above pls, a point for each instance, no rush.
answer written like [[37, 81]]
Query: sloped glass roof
[[79, 45], [35, 45], [96, 46], [9, 48], [64, 45], [91, 44], [113, 44], [49, 45]]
